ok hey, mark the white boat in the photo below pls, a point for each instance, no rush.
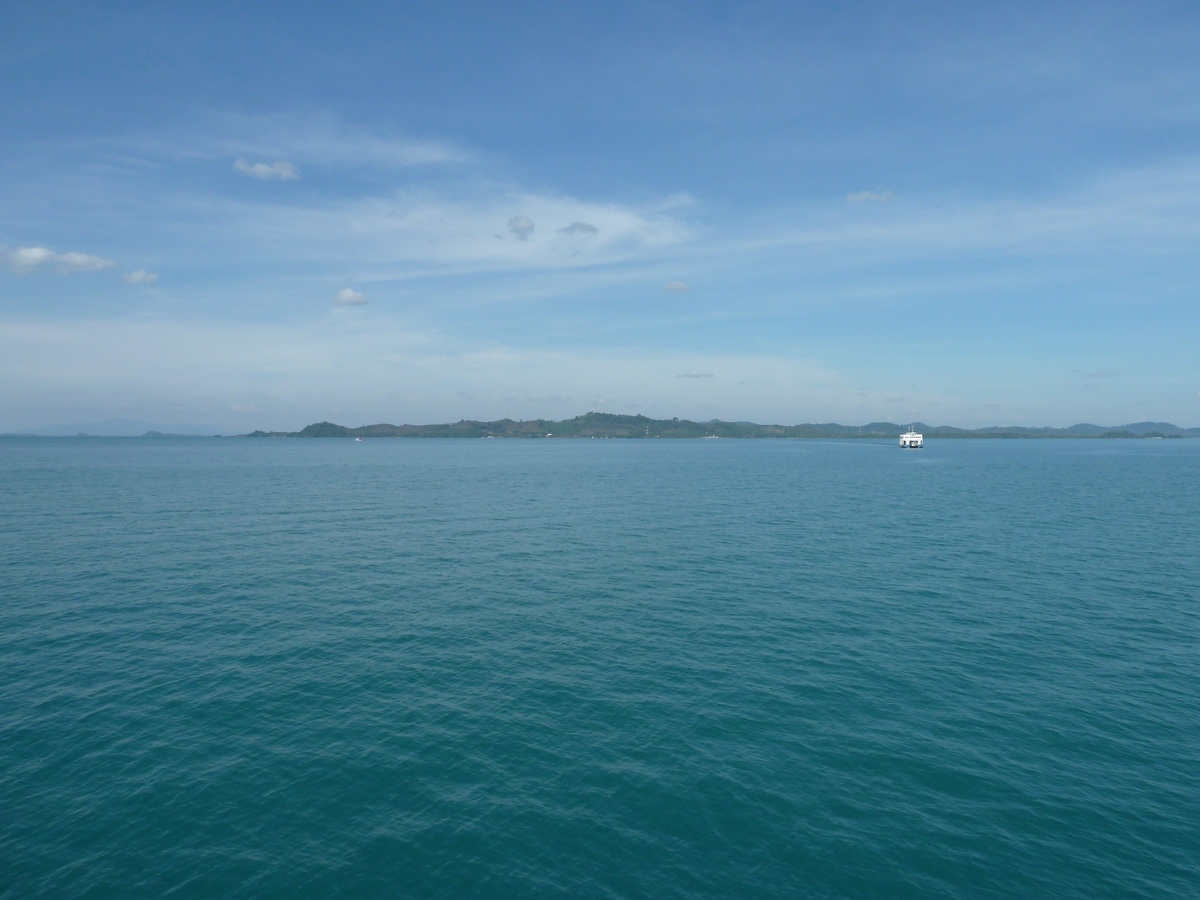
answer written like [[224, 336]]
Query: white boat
[[911, 440], [358, 439]]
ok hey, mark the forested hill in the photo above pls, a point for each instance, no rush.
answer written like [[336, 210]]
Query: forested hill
[[608, 425]]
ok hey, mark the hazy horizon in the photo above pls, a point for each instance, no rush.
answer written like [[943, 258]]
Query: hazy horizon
[[116, 427]]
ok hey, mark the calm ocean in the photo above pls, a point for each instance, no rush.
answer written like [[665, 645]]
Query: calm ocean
[[599, 669]]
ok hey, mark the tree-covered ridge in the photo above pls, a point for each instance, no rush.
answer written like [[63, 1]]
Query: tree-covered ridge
[[609, 425]]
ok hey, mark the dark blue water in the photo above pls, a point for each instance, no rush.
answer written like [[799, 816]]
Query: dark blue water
[[599, 669]]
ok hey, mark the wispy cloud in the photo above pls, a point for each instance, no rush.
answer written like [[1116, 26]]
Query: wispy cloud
[[520, 227], [349, 297], [677, 287], [411, 233], [445, 222], [281, 170], [24, 260], [579, 228], [695, 375], [141, 276], [1108, 222], [323, 141], [877, 197]]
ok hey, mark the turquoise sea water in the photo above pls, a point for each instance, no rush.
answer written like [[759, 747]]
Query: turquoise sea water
[[599, 669]]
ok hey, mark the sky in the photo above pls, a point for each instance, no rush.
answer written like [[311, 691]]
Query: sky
[[261, 215]]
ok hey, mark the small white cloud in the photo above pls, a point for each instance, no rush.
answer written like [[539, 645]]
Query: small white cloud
[[579, 228], [349, 297], [677, 287], [521, 227], [695, 375], [141, 276], [864, 196], [283, 171], [24, 260], [29, 258]]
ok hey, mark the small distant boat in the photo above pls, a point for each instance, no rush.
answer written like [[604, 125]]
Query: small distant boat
[[359, 440], [911, 440]]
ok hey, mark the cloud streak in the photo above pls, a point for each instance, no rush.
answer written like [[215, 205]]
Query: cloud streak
[[322, 140], [277, 171], [1118, 217], [24, 260], [871, 196], [417, 233]]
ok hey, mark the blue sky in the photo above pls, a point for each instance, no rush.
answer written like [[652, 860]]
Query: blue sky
[[263, 215]]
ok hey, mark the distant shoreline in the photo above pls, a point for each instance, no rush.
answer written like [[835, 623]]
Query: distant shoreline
[[609, 425]]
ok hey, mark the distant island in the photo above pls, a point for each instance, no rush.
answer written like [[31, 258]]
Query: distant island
[[609, 425]]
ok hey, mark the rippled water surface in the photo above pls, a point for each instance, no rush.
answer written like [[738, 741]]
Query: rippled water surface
[[599, 669]]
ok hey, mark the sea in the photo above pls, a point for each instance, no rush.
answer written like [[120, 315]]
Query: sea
[[693, 669]]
